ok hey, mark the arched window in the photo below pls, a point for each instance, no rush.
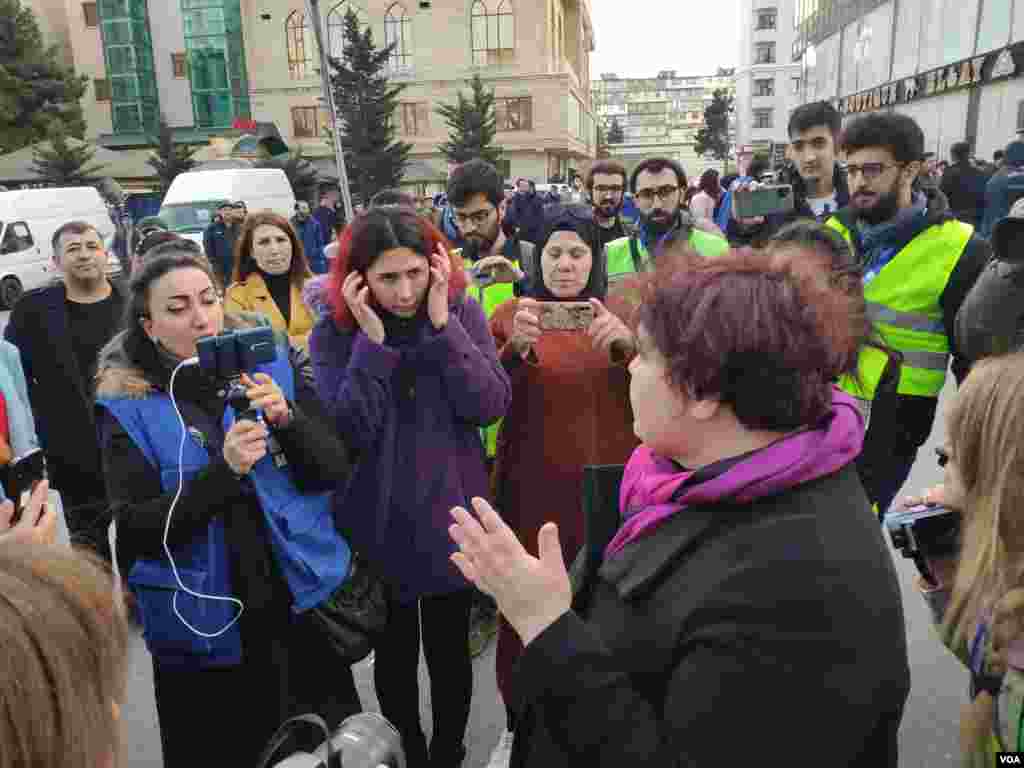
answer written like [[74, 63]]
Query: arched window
[[396, 32], [493, 32], [336, 26], [300, 53]]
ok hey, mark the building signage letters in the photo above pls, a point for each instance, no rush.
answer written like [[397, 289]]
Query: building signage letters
[[969, 72]]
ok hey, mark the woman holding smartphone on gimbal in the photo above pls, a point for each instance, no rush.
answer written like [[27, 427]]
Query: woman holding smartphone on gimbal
[[222, 688]]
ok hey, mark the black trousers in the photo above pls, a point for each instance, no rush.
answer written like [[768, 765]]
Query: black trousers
[[226, 716], [445, 621]]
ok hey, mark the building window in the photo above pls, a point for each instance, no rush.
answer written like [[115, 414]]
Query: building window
[[336, 26], [305, 122], [764, 53], [178, 63], [514, 114], [102, 89], [765, 18], [1020, 115], [299, 54], [396, 33], [92, 19], [763, 118], [797, 83], [764, 87], [493, 32], [414, 119]]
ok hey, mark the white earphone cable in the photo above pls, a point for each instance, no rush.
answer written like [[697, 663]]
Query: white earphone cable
[[167, 526]]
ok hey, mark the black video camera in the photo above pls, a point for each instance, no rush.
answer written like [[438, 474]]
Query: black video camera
[[925, 532], [227, 356]]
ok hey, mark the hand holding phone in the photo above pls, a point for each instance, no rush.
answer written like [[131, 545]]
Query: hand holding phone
[[37, 522]]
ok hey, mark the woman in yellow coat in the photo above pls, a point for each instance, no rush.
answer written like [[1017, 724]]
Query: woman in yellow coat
[[270, 269]]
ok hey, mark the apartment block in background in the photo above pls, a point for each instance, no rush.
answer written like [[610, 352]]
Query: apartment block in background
[[768, 84], [659, 116]]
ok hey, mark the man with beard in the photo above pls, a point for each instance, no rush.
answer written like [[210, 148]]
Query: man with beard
[[59, 330], [918, 263], [658, 184], [476, 194], [606, 187]]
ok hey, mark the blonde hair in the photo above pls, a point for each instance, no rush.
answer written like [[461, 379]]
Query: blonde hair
[[986, 431], [63, 651]]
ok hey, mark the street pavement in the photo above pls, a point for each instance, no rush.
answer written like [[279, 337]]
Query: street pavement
[[928, 738]]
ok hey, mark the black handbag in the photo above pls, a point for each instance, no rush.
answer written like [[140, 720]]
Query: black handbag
[[356, 614]]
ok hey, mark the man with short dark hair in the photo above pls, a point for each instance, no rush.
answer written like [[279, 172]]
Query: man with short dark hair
[[476, 194], [59, 330], [313, 239], [819, 184], [918, 263], [964, 185], [1005, 187], [326, 213], [658, 185], [606, 187], [525, 216], [219, 238]]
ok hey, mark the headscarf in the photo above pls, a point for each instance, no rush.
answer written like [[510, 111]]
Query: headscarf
[[567, 220]]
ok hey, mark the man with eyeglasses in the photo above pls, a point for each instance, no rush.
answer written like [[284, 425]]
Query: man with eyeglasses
[[658, 185], [918, 263], [606, 187], [476, 194]]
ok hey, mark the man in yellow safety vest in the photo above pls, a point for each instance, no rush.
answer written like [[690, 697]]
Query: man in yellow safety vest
[[918, 264]]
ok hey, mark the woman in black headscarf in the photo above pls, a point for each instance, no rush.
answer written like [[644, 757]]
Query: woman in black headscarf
[[570, 403]]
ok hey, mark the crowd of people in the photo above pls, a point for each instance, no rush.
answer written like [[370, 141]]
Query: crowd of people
[[670, 495]]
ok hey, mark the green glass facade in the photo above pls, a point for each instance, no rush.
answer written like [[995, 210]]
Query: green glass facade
[[128, 54], [216, 61]]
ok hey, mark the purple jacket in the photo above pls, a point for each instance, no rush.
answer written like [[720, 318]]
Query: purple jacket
[[411, 416]]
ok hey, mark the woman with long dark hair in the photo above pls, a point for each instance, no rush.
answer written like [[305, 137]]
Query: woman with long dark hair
[[224, 530], [409, 372]]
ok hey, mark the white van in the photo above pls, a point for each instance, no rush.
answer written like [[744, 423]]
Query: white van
[[28, 219], [191, 203]]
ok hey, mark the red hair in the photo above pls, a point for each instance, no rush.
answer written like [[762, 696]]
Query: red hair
[[376, 231], [766, 338]]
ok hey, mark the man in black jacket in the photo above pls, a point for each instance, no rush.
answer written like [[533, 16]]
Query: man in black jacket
[[819, 184], [59, 331], [964, 186], [525, 218]]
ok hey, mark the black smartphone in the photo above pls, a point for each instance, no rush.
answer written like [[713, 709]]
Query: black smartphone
[[22, 477], [228, 355]]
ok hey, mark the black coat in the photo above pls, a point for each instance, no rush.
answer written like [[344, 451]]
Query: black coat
[[964, 187], [61, 398], [771, 631]]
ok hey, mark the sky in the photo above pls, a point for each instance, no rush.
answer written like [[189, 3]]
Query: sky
[[639, 38]]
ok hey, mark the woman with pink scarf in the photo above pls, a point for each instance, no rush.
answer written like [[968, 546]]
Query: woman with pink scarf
[[738, 598]]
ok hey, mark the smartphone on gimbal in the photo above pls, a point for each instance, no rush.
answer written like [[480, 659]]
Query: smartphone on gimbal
[[227, 356]]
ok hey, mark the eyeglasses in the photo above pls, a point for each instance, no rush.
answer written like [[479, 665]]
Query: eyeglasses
[[870, 171], [662, 193], [943, 455], [603, 190], [477, 217]]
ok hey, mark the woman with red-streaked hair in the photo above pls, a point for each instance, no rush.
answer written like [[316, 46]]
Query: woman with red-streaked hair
[[409, 372], [736, 593]]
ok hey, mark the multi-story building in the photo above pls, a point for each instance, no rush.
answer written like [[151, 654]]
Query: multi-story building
[[208, 65], [659, 116], [952, 65], [52, 18], [767, 81]]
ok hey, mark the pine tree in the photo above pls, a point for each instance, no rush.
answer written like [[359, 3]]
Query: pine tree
[[35, 88], [615, 133], [713, 138], [366, 105], [65, 163], [169, 160], [472, 126], [302, 174]]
